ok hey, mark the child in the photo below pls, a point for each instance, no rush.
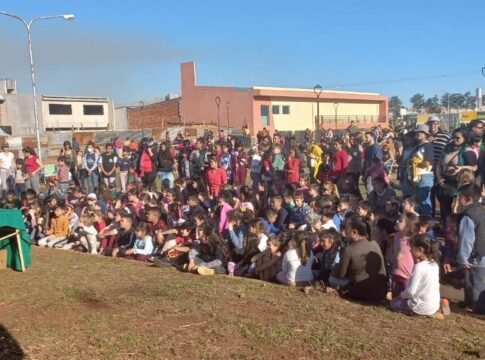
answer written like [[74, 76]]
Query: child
[[330, 244], [225, 208], [237, 232], [58, 230], [20, 177], [143, 247], [304, 187], [296, 267], [63, 174], [452, 273], [124, 165], [298, 215], [328, 214], [87, 234], [268, 263], [125, 236], [402, 259], [270, 222], [410, 205], [422, 294]]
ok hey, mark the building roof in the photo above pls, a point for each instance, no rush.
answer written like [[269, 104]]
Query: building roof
[[312, 91]]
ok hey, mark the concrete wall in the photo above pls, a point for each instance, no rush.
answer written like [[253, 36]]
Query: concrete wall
[[120, 118], [19, 114]]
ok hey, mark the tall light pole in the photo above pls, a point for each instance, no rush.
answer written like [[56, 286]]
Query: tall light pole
[[142, 106], [335, 105], [317, 89], [28, 25], [217, 100], [228, 105]]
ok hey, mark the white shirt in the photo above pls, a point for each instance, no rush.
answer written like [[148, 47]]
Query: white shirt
[[256, 163], [294, 269], [263, 242], [329, 225], [423, 290], [6, 160]]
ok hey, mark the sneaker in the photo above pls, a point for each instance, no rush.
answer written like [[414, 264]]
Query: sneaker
[[231, 266], [445, 307], [162, 262], [201, 270]]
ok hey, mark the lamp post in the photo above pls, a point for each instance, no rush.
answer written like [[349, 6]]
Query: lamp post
[[217, 99], [317, 89], [228, 105], [335, 105], [28, 25], [142, 123]]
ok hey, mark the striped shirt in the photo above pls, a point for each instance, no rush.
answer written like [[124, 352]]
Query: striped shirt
[[440, 139]]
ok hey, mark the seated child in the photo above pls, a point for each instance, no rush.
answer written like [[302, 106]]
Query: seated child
[[58, 230], [296, 266], [329, 244], [268, 263], [143, 247], [125, 237], [85, 235]]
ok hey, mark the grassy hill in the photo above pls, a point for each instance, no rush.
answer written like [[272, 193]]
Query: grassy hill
[[76, 306]]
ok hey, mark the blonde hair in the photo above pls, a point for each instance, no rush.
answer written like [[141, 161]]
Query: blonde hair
[[466, 176], [87, 219]]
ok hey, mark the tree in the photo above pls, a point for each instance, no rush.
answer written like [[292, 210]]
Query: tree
[[432, 105], [395, 105], [417, 101], [470, 100]]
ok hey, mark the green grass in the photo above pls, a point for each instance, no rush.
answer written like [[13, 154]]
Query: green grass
[[76, 306]]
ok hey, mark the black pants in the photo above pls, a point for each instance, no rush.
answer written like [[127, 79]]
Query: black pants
[[149, 178]]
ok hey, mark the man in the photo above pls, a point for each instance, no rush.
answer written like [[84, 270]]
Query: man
[[107, 166], [471, 246], [352, 129], [422, 169], [371, 151]]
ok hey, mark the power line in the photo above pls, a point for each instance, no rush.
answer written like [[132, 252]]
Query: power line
[[428, 77]]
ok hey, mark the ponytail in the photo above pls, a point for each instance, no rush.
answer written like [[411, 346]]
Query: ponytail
[[300, 243], [429, 246]]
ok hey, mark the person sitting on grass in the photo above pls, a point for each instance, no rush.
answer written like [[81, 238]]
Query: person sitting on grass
[[296, 266], [58, 230], [268, 263], [422, 294], [211, 255], [125, 237], [143, 247]]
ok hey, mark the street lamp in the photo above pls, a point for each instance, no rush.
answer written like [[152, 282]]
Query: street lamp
[[142, 105], [228, 105], [28, 26], [217, 99], [317, 89], [335, 105]]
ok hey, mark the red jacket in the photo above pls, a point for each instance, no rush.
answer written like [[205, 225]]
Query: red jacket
[[340, 163], [292, 168], [215, 179]]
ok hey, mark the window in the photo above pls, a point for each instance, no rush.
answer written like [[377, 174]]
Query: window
[[286, 109], [93, 109], [265, 115], [276, 109], [59, 109]]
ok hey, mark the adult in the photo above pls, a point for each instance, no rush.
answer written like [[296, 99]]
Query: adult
[[440, 139], [372, 150], [339, 161], [292, 168], [70, 155], [147, 162], [356, 153], [197, 158], [165, 164], [256, 168], [457, 156], [361, 272], [107, 166], [352, 129], [380, 195], [7, 168], [33, 166], [90, 168], [404, 170], [422, 169], [471, 246], [216, 178]]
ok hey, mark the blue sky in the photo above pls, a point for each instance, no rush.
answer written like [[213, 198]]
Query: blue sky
[[132, 51]]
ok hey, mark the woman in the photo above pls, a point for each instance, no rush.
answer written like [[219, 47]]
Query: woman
[[457, 156], [356, 153], [7, 168], [147, 161], [404, 172], [71, 160], [240, 163], [165, 165], [32, 166], [361, 273]]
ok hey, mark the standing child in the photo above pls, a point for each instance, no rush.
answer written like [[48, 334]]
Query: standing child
[[63, 174], [20, 177], [422, 294]]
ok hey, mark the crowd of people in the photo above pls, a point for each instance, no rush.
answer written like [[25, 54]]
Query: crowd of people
[[288, 210]]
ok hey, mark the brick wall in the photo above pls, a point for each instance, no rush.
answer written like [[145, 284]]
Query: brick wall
[[155, 116]]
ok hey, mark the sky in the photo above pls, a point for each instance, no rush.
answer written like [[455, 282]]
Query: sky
[[132, 51]]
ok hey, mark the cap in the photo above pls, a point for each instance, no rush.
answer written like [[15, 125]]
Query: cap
[[422, 128], [92, 196], [433, 118]]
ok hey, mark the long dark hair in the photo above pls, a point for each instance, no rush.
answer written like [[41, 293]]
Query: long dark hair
[[215, 244], [430, 247], [359, 224], [299, 242]]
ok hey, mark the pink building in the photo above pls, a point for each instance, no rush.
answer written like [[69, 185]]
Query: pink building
[[283, 109]]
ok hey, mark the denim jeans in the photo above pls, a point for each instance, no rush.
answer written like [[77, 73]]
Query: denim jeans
[[423, 192], [93, 182], [63, 187], [166, 175]]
